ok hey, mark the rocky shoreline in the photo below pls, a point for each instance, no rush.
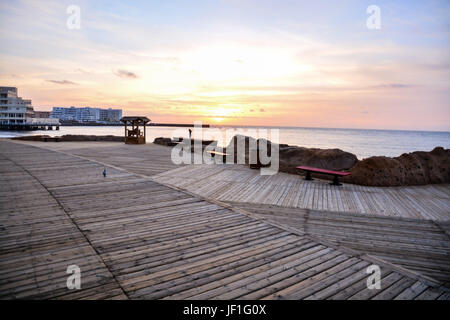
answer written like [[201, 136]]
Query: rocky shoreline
[[408, 169], [415, 168], [71, 137]]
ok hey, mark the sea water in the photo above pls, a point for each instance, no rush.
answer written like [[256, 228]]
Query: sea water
[[363, 143]]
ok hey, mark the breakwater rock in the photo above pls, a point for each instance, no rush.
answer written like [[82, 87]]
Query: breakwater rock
[[415, 168], [71, 137], [164, 141], [293, 156], [172, 142]]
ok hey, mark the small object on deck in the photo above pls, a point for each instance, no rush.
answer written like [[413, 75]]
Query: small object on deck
[[104, 172], [336, 174]]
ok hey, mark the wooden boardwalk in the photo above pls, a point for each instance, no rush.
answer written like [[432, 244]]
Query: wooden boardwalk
[[148, 159], [39, 241], [135, 238], [237, 183], [418, 245]]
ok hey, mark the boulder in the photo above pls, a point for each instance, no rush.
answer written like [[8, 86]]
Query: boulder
[[416, 168], [331, 159], [164, 141], [292, 156], [169, 142], [32, 138]]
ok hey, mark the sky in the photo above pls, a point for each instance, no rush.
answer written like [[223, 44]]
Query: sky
[[236, 62]]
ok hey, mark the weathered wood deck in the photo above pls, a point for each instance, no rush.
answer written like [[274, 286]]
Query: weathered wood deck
[[135, 238], [148, 159], [237, 183], [419, 245]]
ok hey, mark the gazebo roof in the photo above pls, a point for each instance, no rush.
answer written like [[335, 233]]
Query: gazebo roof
[[135, 119]]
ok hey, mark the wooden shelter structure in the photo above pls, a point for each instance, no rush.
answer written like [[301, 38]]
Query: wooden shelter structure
[[135, 135]]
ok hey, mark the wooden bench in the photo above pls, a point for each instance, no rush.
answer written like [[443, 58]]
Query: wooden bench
[[336, 174], [217, 153]]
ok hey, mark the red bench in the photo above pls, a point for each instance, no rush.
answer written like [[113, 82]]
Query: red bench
[[336, 174]]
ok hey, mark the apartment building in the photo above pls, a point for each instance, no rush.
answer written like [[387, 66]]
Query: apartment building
[[14, 109], [86, 114], [110, 115]]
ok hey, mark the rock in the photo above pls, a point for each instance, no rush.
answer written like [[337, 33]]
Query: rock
[[164, 141], [79, 137], [32, 138], [71, 137], [416, 168], [169, 142], [293, 156], [331, 159]]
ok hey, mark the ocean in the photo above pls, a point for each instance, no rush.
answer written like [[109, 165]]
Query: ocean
[[363, 143]]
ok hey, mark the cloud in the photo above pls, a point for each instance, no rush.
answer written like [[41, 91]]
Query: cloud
[[125, 74], [64, 82], [394, 85], [81, 70]]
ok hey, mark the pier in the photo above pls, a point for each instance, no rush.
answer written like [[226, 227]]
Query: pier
[[27, 127], [139, 233], [32, 124]]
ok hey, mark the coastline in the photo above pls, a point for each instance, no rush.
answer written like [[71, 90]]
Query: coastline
[[363, 143], [415, 168]]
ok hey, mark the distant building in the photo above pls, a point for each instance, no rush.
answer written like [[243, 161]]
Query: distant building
[[86, 114], [64, 113], [14, 109], [41, 114], [110, 115]]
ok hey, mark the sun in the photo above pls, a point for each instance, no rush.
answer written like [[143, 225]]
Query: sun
[[220, 114], [218, 120]]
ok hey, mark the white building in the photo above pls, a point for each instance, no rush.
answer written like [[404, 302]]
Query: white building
[[86, 114], [14, 109], [110, 115], [63, 113]]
